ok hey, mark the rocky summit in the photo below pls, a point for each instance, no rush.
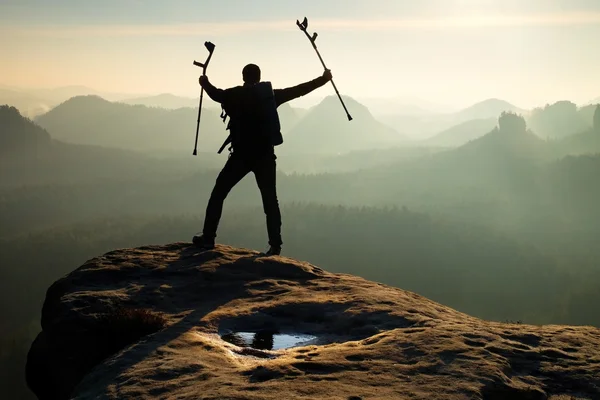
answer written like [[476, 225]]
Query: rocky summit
[[172, 322]]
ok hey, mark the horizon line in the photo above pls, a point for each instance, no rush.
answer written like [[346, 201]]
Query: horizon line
[[315, 99]]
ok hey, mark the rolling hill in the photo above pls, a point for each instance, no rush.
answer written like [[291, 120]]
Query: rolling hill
[[29, 105], [560, 119], [494, 168], [32, 102], [19, 134], [288, 117], [587, 142], [463, 132], [504, 155], [409, 105], [502, 143], [587, 114], [164, 100], [490, 108], [94, 121], [325, 129], [425, 126], [30, 156]]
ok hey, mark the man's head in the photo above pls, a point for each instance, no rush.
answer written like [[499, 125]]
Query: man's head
[[251, 74]]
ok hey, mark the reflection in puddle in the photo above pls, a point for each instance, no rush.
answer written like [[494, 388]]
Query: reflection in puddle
[[266, 340]]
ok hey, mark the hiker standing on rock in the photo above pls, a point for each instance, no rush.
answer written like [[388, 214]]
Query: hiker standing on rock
[[254, 132]]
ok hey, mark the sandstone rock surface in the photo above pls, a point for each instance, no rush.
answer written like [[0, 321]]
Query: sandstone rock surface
[[372, 341]]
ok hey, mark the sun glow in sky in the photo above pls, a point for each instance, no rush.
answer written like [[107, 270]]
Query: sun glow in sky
[[453, 52]]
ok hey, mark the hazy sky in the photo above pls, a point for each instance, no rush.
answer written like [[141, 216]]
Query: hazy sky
[[448, 51]]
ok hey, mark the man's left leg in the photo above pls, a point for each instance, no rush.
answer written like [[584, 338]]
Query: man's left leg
[[265, 173]]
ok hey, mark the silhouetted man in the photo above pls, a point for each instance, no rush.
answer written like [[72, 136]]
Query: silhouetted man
[[253, 135]]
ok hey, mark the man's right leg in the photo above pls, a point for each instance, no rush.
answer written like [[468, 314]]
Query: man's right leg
[[233, 172], [266, 176]]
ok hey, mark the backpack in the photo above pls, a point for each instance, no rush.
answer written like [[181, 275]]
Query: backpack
[[253, 118]]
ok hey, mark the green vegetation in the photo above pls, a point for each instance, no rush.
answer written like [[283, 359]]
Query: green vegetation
[[558, 120], [17, 132]]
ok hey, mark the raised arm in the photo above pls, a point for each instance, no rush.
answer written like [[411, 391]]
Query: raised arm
[[287, 94], [214, 93]]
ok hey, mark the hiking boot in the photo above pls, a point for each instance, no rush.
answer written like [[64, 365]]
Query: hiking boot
[[274, 251], [203, 242]]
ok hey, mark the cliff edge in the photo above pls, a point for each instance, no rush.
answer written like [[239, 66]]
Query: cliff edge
[[169, 321]]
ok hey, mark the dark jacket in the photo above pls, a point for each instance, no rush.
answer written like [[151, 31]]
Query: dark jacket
[[281, 96]]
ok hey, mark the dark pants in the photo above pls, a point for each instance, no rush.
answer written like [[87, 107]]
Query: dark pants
[[237, 167]]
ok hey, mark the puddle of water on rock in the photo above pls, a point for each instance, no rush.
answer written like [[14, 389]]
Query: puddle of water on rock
[[268, 340]]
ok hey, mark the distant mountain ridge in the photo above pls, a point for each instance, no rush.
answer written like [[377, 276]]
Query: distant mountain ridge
[[507, 142], [19, 134], [463, 132], [34, 102], [504, 160], [429, 125], [164, 100], [380, 106], [29, 155], [325, 129], [500, 167], [95, 121], [594, 101], [489, 108], [27, 104]]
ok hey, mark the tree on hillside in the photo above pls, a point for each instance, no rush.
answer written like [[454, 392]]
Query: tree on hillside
[[19, 133], [557, 120], [597, 118], [511, 122]]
